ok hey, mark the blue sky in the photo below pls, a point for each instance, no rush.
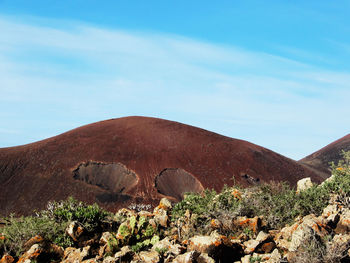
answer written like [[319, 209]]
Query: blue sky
[[275, 73]]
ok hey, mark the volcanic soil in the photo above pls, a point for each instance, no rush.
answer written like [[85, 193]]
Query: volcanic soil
[[320, 161], [134, 160]]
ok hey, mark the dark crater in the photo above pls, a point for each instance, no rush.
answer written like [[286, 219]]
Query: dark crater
[[175, 182], [113, 177]]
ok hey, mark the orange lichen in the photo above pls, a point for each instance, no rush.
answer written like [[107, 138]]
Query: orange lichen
[[7, 259], [185, 242], [215, 223], [119, 236], [237, 194], [244, 222], [217, 243]]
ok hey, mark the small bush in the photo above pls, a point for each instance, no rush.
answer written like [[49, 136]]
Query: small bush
[[20, 230], [279, 203], [72, 210], [50, 224]]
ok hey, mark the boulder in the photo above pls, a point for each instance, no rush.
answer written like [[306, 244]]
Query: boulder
[[149, 256], [34, 240], [161, 217], [75, 230], [165, 204], [124, 255], [32, 254], [343, 226], [250, 246], [204, 244], [304, 184], [188, 257], [167, 246], [73, 255], [275, 257], [204, 258], [331, 215], [7, 259], [339, 246], [253, 224], [310, 228]]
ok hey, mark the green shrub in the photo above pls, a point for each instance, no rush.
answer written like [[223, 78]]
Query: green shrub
[[279, 203], [194, 202], [50, 224], [72, 210], [20, 230]]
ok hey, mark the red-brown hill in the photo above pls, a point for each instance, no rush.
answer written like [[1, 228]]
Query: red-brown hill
[[320, 161], [133, 160]]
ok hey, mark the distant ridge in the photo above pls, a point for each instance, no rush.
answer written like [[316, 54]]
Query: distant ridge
[[319, 160], [133, 160]]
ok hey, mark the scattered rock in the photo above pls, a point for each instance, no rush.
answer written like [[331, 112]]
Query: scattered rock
[[124, 255], [304, 184], [7, 259], [73, 255], [188, 257], [250, 246], [75, 230], [149, 256], [343, 226], [204, 258], [32, 254], [204, 244]]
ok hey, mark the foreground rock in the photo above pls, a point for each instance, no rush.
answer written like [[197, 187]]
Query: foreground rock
[[151, 237]]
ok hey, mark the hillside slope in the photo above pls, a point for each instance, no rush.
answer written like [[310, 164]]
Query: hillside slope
[[320, 160], [133, 160]]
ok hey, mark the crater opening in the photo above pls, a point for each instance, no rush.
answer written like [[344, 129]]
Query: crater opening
[[175, 182], [113, 177]]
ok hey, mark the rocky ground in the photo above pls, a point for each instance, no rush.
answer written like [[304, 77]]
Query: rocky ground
[[130, 236]]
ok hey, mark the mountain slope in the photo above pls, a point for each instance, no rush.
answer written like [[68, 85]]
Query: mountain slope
[[133, 160], [320, 161]]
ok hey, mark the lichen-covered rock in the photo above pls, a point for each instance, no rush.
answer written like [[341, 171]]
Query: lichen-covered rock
[[204, 244], [331, 215], [105, 237], [32, 254], [7, 259], [161, 217], [250, 246], [168, 247], [124, 255], [339, 245], [253, 224], [283, 237], [308, 229], [75, 230], [204, 258], [73, 255], [34, 240], [188, 257], [343, 226], [262, 236], [165, 204], [304, 184], [149, 256], [275, 257]]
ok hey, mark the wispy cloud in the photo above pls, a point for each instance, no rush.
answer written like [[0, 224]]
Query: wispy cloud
[[64, 76]]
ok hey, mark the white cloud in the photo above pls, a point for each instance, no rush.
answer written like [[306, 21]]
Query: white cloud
[[79, 73]]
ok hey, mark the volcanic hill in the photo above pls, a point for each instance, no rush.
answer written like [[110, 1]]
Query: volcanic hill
[[133, 160], [320, 161]]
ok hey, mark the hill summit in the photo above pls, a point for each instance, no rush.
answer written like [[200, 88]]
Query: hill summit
[[134, 160]]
